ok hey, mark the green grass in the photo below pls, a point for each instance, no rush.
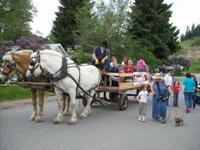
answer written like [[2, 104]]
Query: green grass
[[10, 93], [191, 44], [195, 66]]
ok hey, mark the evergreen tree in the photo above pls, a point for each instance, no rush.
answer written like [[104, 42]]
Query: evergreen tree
[[86, 21], [66, 23], [149, 26], [15, 16]]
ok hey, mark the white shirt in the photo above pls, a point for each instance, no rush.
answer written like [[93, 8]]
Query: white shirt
[[143, 96], [168, 80]]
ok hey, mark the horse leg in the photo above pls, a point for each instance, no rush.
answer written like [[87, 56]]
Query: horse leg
[[34, 103], [87, 110], [59, 117], [40, 116], [73, 116], [66, 105]]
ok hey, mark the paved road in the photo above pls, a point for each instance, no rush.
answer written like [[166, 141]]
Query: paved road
[[106, 129]]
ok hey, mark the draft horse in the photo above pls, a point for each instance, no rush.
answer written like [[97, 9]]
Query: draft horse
[[15, 64], [67, 78]]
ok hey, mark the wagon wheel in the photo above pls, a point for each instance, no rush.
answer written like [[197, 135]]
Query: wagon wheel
[[123, 102], [113, 95], [84, 101]]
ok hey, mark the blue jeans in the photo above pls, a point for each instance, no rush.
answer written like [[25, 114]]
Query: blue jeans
[[188, 99], [175, 102], [101, 66], [163, 109], [155, 108]]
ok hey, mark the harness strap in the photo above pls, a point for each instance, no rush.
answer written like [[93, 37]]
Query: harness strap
[[78, 85], [79, 78]]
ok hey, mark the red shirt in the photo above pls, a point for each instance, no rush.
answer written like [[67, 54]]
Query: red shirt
[[176, 89], [128, 69]]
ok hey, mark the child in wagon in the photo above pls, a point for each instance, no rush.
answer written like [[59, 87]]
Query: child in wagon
[[115, 69], [142, 99], [128, 68]]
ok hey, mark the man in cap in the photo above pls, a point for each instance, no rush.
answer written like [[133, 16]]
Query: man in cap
[[100, 57]]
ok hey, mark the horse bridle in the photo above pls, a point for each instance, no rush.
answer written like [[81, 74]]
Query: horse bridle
[[34, 66], [11, 65]]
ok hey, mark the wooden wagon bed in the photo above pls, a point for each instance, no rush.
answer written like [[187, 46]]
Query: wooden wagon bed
[[125, 82], [111, 94]]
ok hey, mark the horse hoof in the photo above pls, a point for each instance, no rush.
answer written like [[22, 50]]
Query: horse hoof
[[39, 119], [32, 118], [57, 121], [83, 116], [72, 121]]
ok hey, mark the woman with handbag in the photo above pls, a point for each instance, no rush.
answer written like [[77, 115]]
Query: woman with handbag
[[160, 97]]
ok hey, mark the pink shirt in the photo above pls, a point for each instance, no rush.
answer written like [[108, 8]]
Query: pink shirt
[[140, 64]]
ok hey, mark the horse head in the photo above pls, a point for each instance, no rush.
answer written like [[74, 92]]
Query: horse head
[[45, 62], [15, 62], [8, 67], [34, 68]]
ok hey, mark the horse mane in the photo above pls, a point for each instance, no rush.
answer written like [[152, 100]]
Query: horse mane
[[9, 55], [52, 53], [24, 52]]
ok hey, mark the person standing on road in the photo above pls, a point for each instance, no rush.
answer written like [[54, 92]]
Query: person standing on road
[[159, 105], [142, 99], [195, 90], [176, 88], [189, 86], [169, 83]]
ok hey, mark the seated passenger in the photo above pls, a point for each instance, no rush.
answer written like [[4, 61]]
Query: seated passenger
[[128, 68], [115, 69], [141, 65]]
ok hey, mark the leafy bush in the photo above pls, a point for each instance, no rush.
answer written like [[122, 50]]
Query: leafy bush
[[79, 55]]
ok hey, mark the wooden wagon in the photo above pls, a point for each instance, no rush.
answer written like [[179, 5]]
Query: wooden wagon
[[106, 93], [126, 82]]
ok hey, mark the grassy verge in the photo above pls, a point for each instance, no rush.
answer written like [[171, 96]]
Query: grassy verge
[[10, 93]]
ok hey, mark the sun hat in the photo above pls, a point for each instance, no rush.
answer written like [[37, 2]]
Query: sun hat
[[157, 76]]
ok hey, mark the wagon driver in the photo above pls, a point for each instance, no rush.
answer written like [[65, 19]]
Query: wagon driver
[[100, 57]]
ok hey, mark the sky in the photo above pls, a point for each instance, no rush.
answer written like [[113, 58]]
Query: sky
[[185, 13]]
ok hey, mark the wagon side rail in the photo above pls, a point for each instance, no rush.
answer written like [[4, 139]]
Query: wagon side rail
[[123, 84]]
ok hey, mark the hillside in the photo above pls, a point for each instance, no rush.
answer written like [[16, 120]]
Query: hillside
[[191, 48]]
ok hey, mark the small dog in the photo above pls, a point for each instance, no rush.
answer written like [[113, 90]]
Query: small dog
[[178, 121]]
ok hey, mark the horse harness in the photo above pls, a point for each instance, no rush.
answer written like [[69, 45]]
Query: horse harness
[[11, 66], [63, 72]]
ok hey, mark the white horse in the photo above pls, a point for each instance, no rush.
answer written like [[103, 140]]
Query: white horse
[[87, 77]]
